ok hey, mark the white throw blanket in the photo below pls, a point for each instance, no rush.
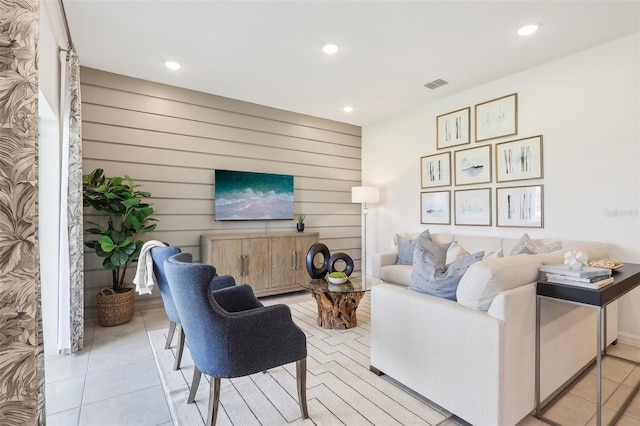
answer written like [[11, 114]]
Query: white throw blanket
[[145, 279]]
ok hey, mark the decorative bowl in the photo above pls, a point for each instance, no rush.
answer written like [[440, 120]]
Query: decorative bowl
[[337, 280]]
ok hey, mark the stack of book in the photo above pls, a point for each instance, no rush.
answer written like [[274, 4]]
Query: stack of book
[[587, 276]]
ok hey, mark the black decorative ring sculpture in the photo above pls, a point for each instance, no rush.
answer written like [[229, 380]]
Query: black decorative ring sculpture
[[331, 267], [314, 272]]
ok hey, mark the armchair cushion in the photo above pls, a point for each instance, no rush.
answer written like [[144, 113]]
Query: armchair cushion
[[222, 281], [236, 299]]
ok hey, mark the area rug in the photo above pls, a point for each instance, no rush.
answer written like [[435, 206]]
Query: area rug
[[340, 388]]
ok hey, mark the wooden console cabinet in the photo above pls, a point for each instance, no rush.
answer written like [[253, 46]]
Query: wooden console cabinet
[[271, 263]]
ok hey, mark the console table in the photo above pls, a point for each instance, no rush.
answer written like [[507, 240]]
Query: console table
[[626, 279]]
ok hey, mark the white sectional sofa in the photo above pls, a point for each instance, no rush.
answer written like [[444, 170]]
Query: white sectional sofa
[[475, 356]]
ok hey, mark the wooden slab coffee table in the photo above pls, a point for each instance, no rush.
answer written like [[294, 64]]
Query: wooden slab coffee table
[[337, 304]]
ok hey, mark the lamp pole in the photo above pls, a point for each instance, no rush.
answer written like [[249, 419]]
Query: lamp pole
[[364, 195]]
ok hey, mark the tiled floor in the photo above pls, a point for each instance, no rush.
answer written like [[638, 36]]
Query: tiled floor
[[113, 381]]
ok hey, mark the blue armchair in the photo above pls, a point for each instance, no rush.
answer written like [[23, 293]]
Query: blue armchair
[[230, 333], [159, 255]]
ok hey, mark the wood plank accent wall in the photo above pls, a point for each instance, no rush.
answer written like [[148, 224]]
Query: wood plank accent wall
[[170, 140]]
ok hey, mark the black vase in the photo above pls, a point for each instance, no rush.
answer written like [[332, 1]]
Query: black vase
[[300, 227]]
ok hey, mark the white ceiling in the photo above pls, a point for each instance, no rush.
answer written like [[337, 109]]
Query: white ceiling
[[270, 52]]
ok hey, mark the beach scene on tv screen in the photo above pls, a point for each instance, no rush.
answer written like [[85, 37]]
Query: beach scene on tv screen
[[253, 196]]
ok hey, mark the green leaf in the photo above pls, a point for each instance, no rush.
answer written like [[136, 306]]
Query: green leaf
[[106, 243], [131, 202]]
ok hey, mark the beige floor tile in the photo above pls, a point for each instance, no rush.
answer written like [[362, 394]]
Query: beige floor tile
[[586, 388], [571, 410], [618, 398], [608, 415], [531, 421], [633, 378], [626, 351], [614, 369]]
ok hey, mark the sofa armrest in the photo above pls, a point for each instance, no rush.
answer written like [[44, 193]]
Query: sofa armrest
[[383, 259]]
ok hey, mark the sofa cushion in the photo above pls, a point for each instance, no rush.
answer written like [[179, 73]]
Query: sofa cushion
[[484, 280], [397, 274]]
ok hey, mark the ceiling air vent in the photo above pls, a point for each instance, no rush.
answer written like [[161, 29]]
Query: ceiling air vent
[[436, 83]]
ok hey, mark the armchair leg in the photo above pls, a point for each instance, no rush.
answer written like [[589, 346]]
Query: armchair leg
[[301, 374], [214, 400], [181, 338], [194, 385], [172, 329]]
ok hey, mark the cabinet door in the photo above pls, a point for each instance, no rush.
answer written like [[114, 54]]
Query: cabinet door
[[303, 244], [225, 256], [283, 265], [256, 263]]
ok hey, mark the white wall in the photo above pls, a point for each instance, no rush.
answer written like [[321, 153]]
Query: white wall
[[586, 106]]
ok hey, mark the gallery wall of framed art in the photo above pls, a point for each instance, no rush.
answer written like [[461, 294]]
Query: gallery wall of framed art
[[475, 178]]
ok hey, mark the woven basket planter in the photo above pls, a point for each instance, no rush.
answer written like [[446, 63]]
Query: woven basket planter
[[115, 308]]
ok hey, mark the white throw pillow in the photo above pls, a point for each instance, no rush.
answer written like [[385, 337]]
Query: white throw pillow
[[494, 254], [455, 252]]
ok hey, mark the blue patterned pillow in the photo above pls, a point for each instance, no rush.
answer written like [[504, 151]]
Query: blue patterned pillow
[[406, 248], [430, 274]]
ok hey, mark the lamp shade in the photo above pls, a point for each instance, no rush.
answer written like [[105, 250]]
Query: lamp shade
[[365, 194]]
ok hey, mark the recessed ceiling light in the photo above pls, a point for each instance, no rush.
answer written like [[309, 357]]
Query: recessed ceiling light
[[527, 30], [330, 49], [347, 109], [172, 65]]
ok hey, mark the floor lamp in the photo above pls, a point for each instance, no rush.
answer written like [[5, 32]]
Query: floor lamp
[[364, 195]]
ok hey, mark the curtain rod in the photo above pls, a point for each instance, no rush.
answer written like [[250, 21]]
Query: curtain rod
[[66, 26]]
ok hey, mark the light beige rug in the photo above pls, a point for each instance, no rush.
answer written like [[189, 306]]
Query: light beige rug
[[340, 388]]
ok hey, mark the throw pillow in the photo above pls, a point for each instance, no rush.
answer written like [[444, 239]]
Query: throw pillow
[[455, 252], [494, 254], [405, 250], [527, 246], [442, 281]]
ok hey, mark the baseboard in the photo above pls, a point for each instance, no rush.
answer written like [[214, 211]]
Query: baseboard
[[629, 339]]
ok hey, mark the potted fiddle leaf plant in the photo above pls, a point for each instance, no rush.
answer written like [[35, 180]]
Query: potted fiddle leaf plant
[[300, 217], [117, 237]]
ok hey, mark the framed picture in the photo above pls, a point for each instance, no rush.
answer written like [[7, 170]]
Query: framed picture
[[435, 170], [472, 207], [453, 128], [520, 206], [520, 159], [472, 165], [497, 118], [435, 207]]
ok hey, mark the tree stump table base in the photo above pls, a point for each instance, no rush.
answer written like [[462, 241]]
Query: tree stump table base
[[337, 310]]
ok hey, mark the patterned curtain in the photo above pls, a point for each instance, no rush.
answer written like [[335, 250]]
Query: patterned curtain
[[21, 346], [72, 209]]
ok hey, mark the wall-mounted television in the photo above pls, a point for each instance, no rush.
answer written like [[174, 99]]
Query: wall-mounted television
[[253, 196]]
